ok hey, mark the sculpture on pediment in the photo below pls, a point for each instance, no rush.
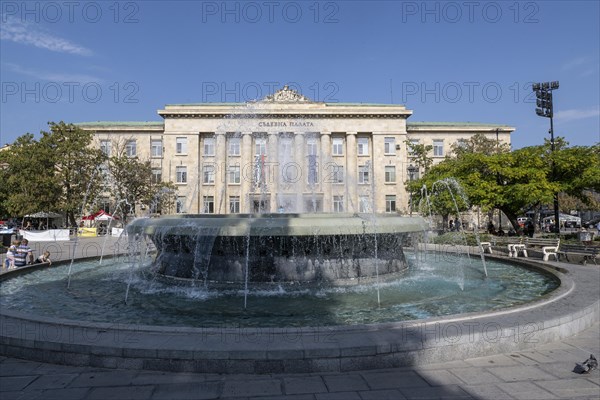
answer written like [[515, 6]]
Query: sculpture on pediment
[[286, 95]]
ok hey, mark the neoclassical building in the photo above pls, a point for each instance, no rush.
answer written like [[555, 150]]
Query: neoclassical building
[[286, 153]]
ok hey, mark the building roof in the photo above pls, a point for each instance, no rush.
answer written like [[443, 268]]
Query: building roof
[[468, 123], [120, 123]]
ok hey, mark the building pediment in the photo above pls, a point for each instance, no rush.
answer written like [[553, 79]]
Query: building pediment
[[286, 95]]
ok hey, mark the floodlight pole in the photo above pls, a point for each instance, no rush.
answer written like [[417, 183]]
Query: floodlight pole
[[556, 211], [543, 92]]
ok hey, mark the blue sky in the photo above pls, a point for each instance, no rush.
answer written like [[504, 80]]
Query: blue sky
[[446, 61]]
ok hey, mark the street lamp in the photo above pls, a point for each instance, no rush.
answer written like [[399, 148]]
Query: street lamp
[[412, 172], [543, 93]]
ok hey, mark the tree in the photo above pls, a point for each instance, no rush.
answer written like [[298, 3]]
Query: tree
[[480, 144], [55, 173], [28, 182], [75, 166], [420, 154], [517, 181], [131, 183]]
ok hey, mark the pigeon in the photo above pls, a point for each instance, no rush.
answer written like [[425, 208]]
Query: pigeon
[[588, 365]]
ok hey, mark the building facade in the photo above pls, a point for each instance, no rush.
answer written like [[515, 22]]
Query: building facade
[[286, 153]]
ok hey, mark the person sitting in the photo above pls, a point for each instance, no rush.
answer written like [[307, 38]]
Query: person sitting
[[44, 258]]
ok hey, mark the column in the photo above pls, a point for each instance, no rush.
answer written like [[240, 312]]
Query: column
[[301, 160], [351, 173], [324, 174], [221, 202], [273, 173], [246, 172]]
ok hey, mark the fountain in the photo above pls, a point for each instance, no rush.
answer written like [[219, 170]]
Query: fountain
[[276, 249]]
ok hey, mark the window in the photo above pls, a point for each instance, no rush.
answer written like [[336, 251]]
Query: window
[[363, 146], [156, 148], [234, 204], [390, 203], [156, 175], [311, 147], [208, 176], [290, 172], [181, 174], [260, 147], [180, 205], [208, 204], [338, 204], [130, 148], [390, 174], [413, 142], [338, 174], [181, 144], [209, 146], [105, 147], [285, 148], [234, 146], [338, 146], [312, 204], [389, 145], [462, 143], [234, 174], [313, 171], [363, 174], [364, 206], [413, 172], [438, 148]]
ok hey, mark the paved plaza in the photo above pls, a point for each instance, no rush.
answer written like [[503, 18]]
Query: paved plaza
[[541, 372]]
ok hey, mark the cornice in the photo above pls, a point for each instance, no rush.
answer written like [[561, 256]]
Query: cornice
[[180, 115]]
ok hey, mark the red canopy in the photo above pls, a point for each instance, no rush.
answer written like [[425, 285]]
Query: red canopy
[[97, 215]]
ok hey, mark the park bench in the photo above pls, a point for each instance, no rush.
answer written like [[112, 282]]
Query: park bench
[[588, 252], [499, 241], [549, 247]]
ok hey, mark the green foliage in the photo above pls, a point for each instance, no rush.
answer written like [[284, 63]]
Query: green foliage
[[75, 166], [130, 183], [517, 181], [420, 154], [28, 181], [52, 174], [480, 144]]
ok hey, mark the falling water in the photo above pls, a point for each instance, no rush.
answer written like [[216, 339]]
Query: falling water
[[87, 191], [108, 229], [449, 184], [246, 272]]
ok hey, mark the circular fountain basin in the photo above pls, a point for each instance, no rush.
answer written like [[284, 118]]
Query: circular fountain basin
[[432, 287], [227, 250], [33, 330]]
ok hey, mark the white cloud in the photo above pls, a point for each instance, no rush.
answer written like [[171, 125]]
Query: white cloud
[[576, 62], [28, 34], [51, 76], [576, 114]]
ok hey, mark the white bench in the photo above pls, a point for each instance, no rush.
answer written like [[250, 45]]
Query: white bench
[[509, 241], [549, 247]]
